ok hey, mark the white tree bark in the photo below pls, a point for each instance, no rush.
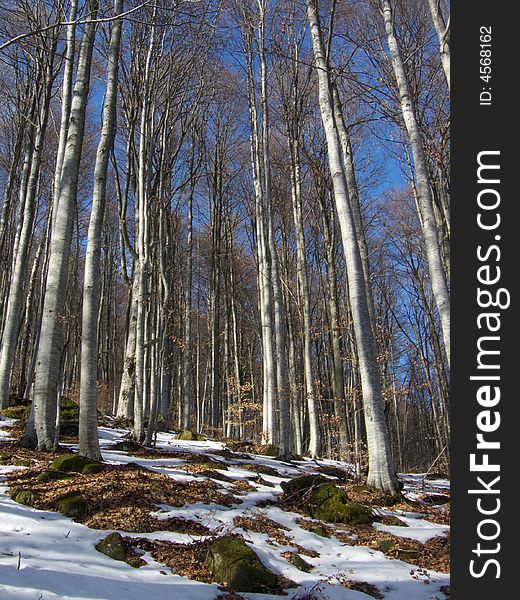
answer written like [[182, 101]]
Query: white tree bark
[[66, 98], [381, 473], [21, 255], [264, 269], [443, 33], [142, 244], [88, 433], [303, 292], [49, 348], [282, 386], [424, 193]]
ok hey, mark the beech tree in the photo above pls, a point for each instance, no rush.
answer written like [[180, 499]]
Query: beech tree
[[252, 242]]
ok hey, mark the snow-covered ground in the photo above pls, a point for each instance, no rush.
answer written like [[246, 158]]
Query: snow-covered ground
[[46, 556]]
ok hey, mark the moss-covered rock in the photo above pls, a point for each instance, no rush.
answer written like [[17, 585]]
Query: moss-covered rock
[[324, 501], [23, 497], [74, 463], [5, 458], [321, 531], [13, 412], [92, 468], [298, 487], [127, 446], [188, 435], [408, 554], [262, 481], [296, 560], [47, 476], [114, 546], [22, 462], [386, 545], [72, 505], [234, 564]]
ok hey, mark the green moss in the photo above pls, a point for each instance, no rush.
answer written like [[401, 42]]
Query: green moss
[[73, 463], [92, 468], [386, 546], [13, 412], [298, 487], [23, 497], [321, 531], [126, 446], [260, 480], [323, 500], [5, 458], [72, 505], [47, 476], [188, 435], [233, 563], [215, 465], [408, 555], [22, 462], [296, 560]]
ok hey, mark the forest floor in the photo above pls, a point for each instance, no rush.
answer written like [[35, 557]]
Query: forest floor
[[170, 502]]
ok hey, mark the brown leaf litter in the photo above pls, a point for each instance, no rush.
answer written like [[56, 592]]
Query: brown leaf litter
[[260, 523], [122, 497], [190, 560]]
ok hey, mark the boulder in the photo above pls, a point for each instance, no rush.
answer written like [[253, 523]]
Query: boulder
[[47, 476], [114, 546], [234, 564], [127, 446], [325, 501], [23, 497], [72, 505], [296, 560], [74, 463], [188, 435]]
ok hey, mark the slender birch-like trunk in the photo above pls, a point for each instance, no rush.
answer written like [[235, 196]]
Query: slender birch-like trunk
[[66, 98], [88, 433], [303, 290], [443, 33], [381, 473], [21, 255], [142, 245], [187, 367], [424, 192], [278, 309], [338, 378], [264, 269], [49, 349], [353, 191]]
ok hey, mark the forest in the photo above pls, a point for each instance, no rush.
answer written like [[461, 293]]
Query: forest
[[227, 222]]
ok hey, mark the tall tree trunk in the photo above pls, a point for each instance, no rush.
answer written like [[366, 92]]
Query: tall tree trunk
[[303, 290], [381, 473], [88, 433], [443, 33], [49, 350], [279, 318], [424, 193], [21, 254], [142, 245], [187, 368]]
